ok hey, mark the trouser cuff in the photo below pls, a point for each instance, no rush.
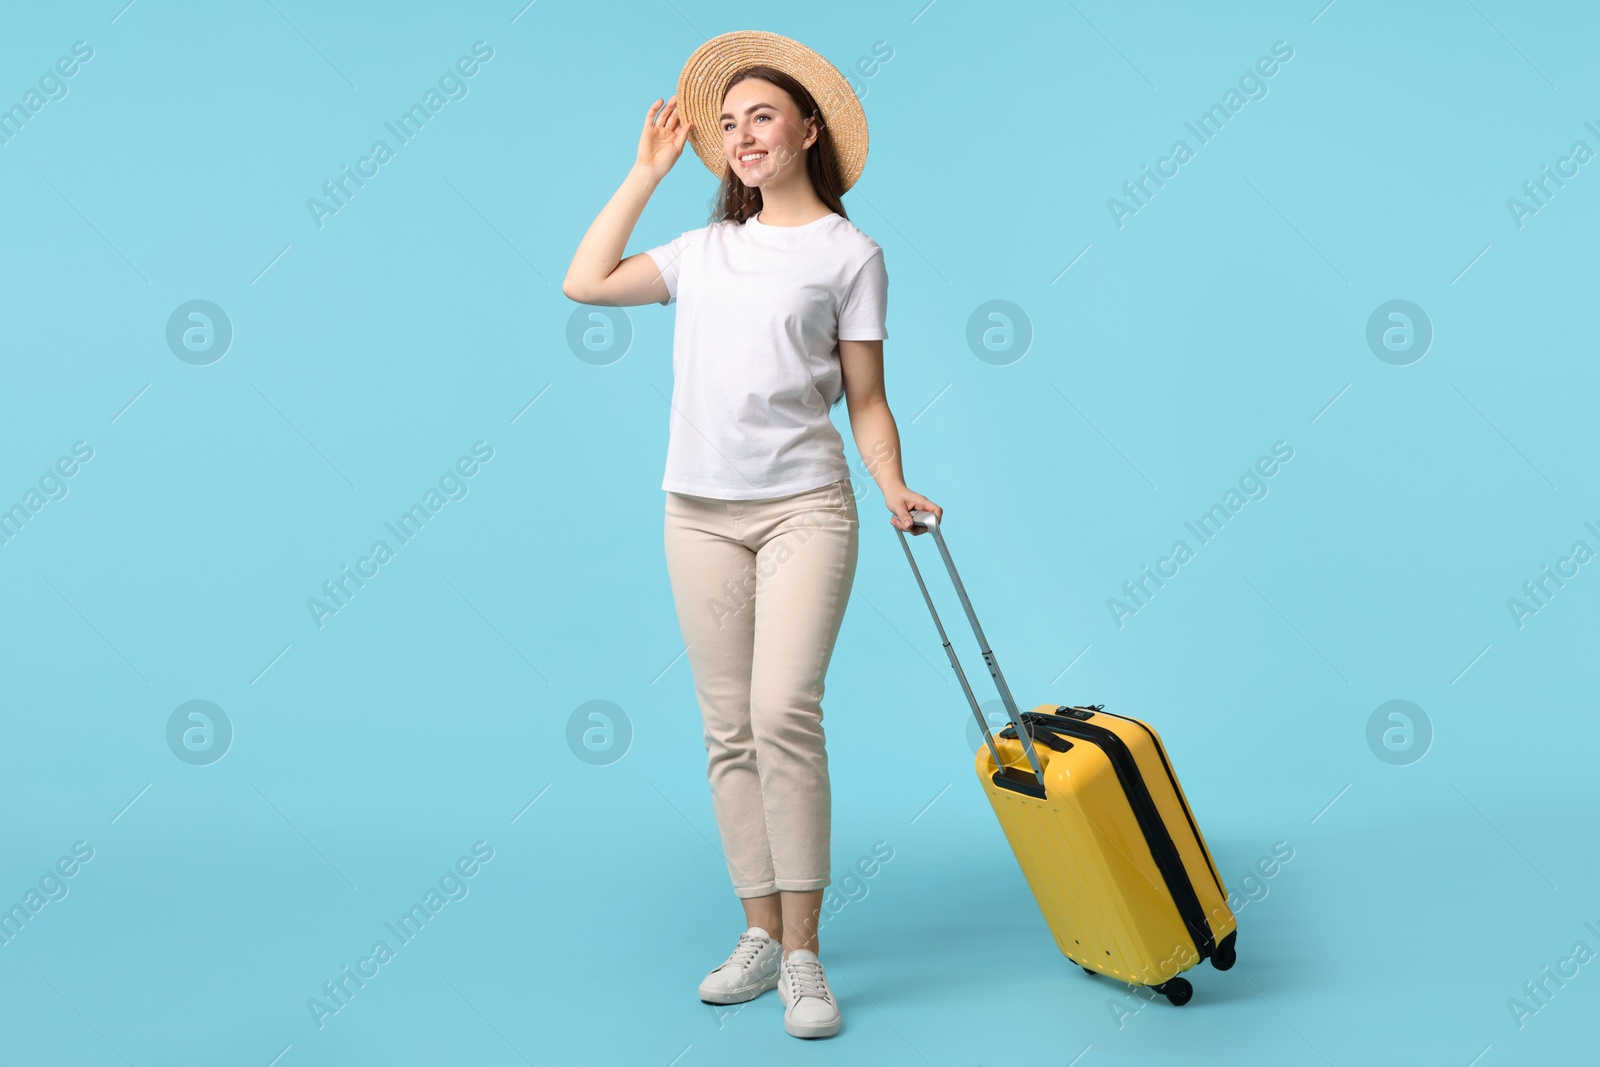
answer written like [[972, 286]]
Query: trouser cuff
[[802, 885], [765, 889]]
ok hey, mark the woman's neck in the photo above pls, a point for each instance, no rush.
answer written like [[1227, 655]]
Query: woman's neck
[[780, 207]]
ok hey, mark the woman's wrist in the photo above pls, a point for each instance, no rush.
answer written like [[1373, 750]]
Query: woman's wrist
[[891, 487]]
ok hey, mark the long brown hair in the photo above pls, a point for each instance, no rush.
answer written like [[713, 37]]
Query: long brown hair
[[737, 201]]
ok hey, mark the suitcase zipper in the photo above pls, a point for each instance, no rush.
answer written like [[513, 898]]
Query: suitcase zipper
[[1162, 848], [1177, 791]]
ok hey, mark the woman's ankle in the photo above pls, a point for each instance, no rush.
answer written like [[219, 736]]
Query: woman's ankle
[[765, 912]]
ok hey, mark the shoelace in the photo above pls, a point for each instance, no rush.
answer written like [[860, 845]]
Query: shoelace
[[806, 980], [749, 947]]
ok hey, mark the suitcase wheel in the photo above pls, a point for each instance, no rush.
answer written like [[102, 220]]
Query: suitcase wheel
[[1176, 990], [1091, 972], [1225, 956]]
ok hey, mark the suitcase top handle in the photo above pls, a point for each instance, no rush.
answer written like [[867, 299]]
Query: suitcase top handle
[[930, 522]]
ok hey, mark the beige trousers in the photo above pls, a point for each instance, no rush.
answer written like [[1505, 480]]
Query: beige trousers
[[760, 588]]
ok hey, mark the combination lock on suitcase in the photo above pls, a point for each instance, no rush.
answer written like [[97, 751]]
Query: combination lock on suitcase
[[1100, 827]]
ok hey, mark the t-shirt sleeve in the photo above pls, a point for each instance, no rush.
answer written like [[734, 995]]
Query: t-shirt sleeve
[[864, 309], [669, 260]]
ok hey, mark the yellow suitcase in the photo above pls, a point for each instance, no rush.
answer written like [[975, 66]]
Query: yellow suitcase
[[1100, 827]]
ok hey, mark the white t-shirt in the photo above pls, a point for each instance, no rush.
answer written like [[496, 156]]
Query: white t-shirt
[[755, 352]]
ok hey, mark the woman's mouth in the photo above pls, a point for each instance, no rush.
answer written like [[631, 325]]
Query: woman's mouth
[[752, 157]]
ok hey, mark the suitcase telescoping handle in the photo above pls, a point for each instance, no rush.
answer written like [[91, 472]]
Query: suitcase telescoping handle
[[929, 521]]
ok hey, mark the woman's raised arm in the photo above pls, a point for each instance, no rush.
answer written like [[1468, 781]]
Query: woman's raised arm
[[598, 273]]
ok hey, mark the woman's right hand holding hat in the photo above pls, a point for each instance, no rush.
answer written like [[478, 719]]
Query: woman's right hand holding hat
[[661, 142]]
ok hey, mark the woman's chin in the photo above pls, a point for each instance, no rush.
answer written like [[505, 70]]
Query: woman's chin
[[752, 177]]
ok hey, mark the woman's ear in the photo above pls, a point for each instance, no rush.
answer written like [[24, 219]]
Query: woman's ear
[[814, 128]]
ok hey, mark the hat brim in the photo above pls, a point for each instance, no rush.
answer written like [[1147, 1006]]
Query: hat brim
[[708, 69]]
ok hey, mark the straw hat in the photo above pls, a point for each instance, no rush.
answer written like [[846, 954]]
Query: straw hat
[[704, 76]]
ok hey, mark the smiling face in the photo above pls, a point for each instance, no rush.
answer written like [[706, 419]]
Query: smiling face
[[763, 133]]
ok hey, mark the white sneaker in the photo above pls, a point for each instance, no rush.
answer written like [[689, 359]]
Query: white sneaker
[[808, 1006], [750, 970]]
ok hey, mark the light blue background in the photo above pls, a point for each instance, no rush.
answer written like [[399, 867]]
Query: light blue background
[[369, 354]]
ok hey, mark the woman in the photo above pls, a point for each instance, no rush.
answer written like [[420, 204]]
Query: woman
[[781, 304]]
